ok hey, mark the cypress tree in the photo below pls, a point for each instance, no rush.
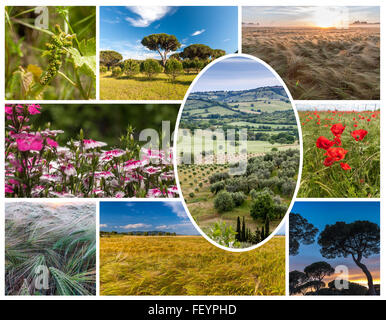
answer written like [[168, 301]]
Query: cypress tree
[[238, 230], [243, 235], [266, 227]]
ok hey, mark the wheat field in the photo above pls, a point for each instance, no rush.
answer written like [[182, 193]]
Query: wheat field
[[188, 265], [320, 64]]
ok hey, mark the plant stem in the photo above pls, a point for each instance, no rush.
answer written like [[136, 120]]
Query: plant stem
[[79, 85], [67, 78]]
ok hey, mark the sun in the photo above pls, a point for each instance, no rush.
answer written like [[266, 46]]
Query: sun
[[326, 17]]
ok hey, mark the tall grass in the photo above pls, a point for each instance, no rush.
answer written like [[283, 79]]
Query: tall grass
[[321, 64], [58, 239], [161, 265]]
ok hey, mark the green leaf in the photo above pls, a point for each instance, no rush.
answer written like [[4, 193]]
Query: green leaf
[[85, 62]]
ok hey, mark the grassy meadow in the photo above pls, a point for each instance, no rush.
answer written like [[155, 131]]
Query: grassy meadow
[[188, 265], [320, 63], [363, 179], [140, 87]]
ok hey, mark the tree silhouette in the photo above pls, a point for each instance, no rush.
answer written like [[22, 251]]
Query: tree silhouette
[[317, 271], [359, 239], [297, 279], [162, 43], [300, 231]]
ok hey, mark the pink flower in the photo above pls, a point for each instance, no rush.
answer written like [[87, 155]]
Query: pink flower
[[119, 194], [151, 170], [114, 153], [52, 143], [37, 190], [154, 193], [103, 174], [69, 170], [167, 175], [91, 144], [8, 110], [49, 178], [134, 164], [33, 108], [30, 143], [173, 189], [8, 188]]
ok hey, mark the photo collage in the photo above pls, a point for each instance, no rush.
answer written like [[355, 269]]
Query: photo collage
[[191, 151]]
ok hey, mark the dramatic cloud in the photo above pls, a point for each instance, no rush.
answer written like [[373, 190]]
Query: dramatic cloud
[[196, 33], [147, 15], [177, 208]]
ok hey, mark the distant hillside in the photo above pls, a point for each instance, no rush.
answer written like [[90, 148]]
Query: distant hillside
[[273, 92], [139, 233]]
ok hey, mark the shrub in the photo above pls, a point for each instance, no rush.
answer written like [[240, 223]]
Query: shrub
[[103, 69], [216, 187], [218, 176], [238, 198], [237, 184], [191, 195], [150, 67], [263, 206], [131, 67], [173, 68], [117, 71], [224, 202]]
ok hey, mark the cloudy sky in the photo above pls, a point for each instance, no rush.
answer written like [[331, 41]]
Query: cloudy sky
[[168, 216], [235, 73], [329, 212], [309, 16], [123, 28]]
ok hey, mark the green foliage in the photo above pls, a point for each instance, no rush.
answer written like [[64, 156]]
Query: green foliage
[[300, 232], [131, 67], [116, 72], [109, 58], [150, 67], [224, 202], [173, 68], [238, 198], [263, 207], [162, 43], [199, 51], [50, 64], [223, 235], [103, 69], [217, 186]]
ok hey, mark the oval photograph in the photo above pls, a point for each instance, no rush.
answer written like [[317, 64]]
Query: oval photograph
[[238, 152]]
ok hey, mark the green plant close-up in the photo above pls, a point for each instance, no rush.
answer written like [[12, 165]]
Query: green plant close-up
[[50, 249], [50, 53]]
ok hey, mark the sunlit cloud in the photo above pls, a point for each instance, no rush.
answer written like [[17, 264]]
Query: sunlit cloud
[[147, 15]]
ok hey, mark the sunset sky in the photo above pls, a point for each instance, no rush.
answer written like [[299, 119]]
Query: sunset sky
[[329, 212], [281, 16]]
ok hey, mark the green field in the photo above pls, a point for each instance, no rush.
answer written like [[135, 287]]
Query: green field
[[188, 265], [140, 87]]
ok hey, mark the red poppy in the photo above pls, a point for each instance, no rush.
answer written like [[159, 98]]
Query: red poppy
[[324, 143], [355, 125], [328, 161], [337, 141], [336, 153], [337, 129], [358, 135], [345, 166]]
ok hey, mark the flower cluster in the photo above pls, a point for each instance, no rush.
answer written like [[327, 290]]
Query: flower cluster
[[337, 153], [37, 166]]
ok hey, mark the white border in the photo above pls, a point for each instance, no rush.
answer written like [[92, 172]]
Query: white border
[[300, 151]]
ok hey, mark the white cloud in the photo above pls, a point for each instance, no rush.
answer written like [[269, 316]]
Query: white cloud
[[135, 226], [147, 15], [103, 225], [227, 39], [164, 226], [177, 208], [196, 33]]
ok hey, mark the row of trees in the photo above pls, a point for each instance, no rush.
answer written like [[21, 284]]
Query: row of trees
[[137, 233], [359, 240], [193, 57]]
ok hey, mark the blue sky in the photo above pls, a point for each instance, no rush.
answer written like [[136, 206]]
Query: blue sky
[[235, 73], [123, 28], [328, 212], [168, 216], [308, 16]]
